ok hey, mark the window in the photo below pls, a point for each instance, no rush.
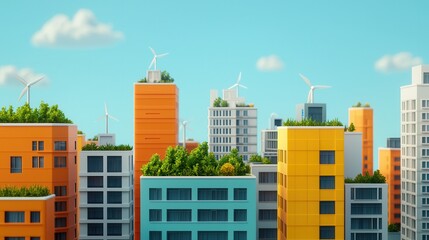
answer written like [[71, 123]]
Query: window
[[34, 145], [60, 162], [245, 122], [95, 229], [244, 112], [327, 232], [60, 145], [114, 164], [60, 191], [15, 164], [212, 194], [95, 213], [240, 193], [425, 78], [95, 164], [114, 229], [114, 213], [327, 207], [35, 217], [268, 177], [212, 235], [327, 182], [327, 157], [114, 181], [41, 145], [38, 162], [95, 182], [60, 222], [366, 236], [240, 235], [179, 235], [61, 236], [365, 193], [178, 215], [178, 194], [155, 215], [14, 217], [155, 235], [268, 233], [208, 215], [366, 208], [267, 196], [34, 238], [60, 206], [155, 194], [95, 197], [240, 215], [267, 215], [114, 197], [14, 238]]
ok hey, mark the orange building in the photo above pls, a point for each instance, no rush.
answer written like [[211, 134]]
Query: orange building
[[43, 154], [27, 217], [190, 145], [362, 119], [389, 161], [156, 114]]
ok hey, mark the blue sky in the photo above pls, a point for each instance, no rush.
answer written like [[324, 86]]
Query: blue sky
[[363, 49]]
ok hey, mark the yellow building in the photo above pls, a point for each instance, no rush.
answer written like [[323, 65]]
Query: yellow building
[[310, 183]]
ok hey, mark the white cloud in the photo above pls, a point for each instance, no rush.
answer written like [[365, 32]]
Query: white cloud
[[397, 62], [8, 75], [269, 63], [82, 31]]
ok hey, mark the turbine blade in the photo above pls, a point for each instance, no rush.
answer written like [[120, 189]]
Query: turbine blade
[[239, 78], [21, 79], [233, 86], [242, 86], [321, 87], [23, 92], [36, 81], [153, 51], [112, 117], [151, 63], [162, 55], [306, 80]]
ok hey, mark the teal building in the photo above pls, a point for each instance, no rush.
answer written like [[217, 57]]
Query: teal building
[[198, 208]]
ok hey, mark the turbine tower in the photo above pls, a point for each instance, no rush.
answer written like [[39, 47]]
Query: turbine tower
[[27, 87], [107, 116], [310, 97], [155, 57], [184, 125], [237, 85], [271, 123]]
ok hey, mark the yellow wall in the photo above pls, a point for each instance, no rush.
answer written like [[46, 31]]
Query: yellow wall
[[298, 181], [362, 119]]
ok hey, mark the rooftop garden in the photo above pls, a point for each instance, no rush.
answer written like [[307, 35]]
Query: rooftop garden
[[255, 158], [94, 147], [244, 105], [165, 78], [32, 191], [26, 114], [200, 162], [219, 102], [375, 178], [359, 104], [311, 122]]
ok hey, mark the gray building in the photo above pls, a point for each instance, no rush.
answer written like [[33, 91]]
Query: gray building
[[315, 111], [352, 154], [269, 145]]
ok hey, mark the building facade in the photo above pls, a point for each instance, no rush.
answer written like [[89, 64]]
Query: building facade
[[266, 206], [310, 183], [189, 208], [352, 154], [389, 161], [415, 156], [234, 126], [269, 145], [362, 119], [43, 154], [366, 211], [315, 111], [156, 114]]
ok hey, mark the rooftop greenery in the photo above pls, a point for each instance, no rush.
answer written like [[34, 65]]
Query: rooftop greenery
[[94, 147], [79, 132], [359, 104], [219, 102], [311, 122], [32, 191], [165, 78], [200, 162], [26, 114], [375, 178], [244, 105], [255, 158]]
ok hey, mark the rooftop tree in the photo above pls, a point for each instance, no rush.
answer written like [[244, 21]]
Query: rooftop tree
[[26, 114]]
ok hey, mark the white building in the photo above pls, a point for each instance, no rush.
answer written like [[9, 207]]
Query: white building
[[366, 211], [352, 154], [269, 145], [231, 127], [415, 156], [106, 193], [266, 208]]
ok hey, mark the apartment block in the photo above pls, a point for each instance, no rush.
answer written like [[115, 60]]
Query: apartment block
[[269, 145], [185, 208]]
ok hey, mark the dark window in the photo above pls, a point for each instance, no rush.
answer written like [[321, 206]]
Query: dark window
[[268, 177], [114, 197], [14, 217], [178, 194], [14, 238], [267, 215], [34, 238], [35, 217], [155, 194], [179, 235], [327, 207], [114, 181], [95, 197], [60, 206], [60, 222], [15, 164], [95, 213], [155, 215], [41, 145], [366, 236], [212, 194], [38, 162], [240, 193], [366, 193], [95, 182], [268, 233], [327, 157], [61, 236], [114, 229], [60, 145], [95, 229], [114, 213], [95, 164], [34, 145], [425, 78], [267, 196], [397, 196], [179, 215], [212, 215], [327, 182], [397, 168], [240, 215], [240, 235], [155, 235], [114, 164], [60, 162], [366, 208], [212, 235], [397, 177], [60, 191], [327, 232], [364, 223]]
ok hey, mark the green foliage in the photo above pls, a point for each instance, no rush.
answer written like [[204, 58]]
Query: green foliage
[[243, 105], [375, 178], [260, 159], [165, 78], [394, 227], [224, 103], [32, 191], [351, 128], [79, 132], [219, 102], [366, 105], [359, 104], [108, 147], [311, 122], [95, 138], [227, 170], [200, 162], [26, 114]]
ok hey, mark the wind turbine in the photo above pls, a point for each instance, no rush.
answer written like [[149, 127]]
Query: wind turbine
[[270, 124], [184, 126], [155, 56], [237, 84], [107, 116], [27, 86], [310, 97]]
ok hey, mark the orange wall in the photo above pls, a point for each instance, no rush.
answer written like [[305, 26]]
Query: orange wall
[[156, 114], [362, 119], [44, 229], [389, 159], [16, 140]]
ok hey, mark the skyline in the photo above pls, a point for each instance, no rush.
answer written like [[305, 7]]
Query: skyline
[[363, 50]]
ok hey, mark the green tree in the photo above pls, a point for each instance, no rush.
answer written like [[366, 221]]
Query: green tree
[[166, 78], [394, 227], [224, 103], [351, 128], [217, 102], [260, 159], [377, 177], [227, 170]]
